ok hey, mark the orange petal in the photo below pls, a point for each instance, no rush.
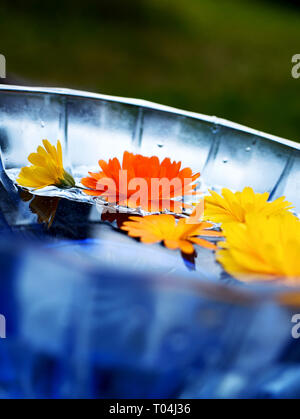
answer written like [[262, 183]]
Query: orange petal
[[203, 243]]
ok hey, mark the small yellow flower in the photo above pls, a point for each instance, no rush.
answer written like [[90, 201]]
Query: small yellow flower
[[263, 248], [233, 207], [46, 169], [175, 235]]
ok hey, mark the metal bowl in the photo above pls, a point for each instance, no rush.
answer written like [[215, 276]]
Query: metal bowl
[[88, 316], [93, 126]]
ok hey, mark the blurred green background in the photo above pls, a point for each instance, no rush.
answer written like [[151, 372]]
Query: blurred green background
[[227, 58]]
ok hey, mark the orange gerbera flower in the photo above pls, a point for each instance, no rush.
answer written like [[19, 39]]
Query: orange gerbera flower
[[175, 235], [142, 182]]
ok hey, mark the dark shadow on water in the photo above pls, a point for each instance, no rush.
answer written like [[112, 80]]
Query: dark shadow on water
[[118, 217], [189, 260]]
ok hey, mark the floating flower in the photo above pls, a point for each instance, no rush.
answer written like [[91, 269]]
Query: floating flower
[[263, 248], [233, 207], [175, 235], [47, 168], [142, 182]]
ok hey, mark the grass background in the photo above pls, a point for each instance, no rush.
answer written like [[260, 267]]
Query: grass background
[[227, 58]]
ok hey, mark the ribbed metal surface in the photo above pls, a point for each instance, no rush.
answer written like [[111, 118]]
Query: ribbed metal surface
[[93, 126]]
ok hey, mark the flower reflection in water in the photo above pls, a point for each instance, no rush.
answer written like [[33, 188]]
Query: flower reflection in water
[[44, 207], [115, 216]]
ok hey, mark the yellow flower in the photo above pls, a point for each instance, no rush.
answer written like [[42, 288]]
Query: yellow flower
[[263, 248], [233, 207], [47, 168], [175, 235]]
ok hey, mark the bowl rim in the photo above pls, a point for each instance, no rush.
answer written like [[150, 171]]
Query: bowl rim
[[141, 103]]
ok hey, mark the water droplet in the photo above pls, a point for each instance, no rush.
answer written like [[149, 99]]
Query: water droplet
[[225, 160], [42, 124], [248, 149], [160, 145], [215, 129]]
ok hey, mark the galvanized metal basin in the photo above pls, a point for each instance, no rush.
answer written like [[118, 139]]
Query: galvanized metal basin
[[93, 126]]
